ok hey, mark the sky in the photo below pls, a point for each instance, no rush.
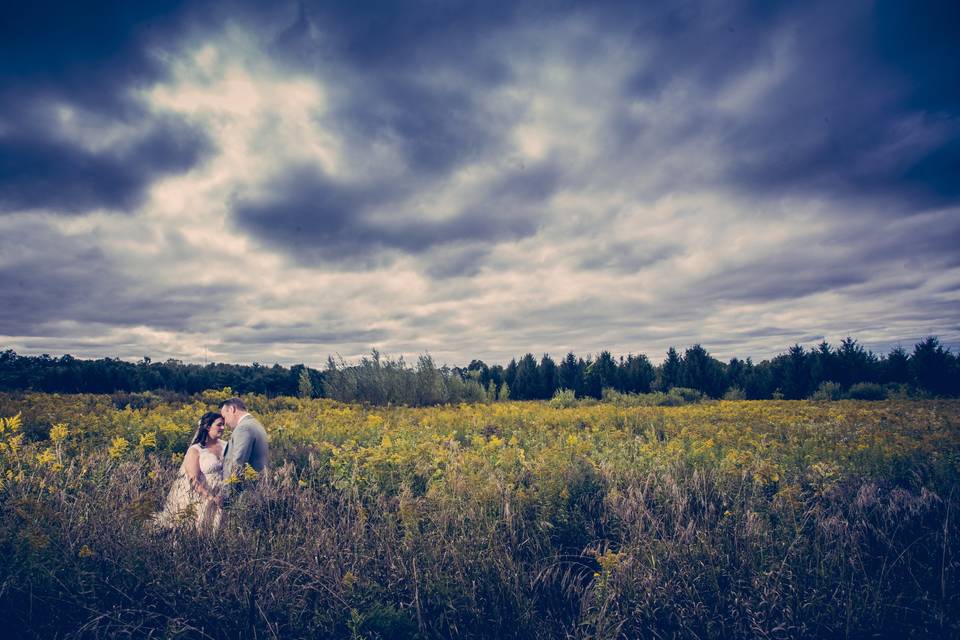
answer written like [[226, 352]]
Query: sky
[[237, 182]]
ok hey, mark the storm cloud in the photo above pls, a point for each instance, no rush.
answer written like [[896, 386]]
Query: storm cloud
[[74, 136], [281, 182]]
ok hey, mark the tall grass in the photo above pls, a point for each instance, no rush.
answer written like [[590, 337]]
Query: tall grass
[[516, 521]]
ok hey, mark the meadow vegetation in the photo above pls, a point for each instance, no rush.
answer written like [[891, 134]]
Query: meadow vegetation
[[625, 517]]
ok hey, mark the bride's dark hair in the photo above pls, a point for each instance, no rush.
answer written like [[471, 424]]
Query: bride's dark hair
[[203, 427]]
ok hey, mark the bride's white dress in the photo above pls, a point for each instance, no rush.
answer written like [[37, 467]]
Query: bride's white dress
[[185, 505]]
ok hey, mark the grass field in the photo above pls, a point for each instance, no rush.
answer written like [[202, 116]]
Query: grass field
[[520, 519]]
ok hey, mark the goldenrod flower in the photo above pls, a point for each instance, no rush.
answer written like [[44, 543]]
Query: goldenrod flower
[[118, 447], [148, 440], [10, 424], [58, 433], [249, 473], [46, 458], [14, 443]]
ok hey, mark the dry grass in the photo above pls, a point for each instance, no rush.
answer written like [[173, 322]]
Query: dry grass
[[728, 520]]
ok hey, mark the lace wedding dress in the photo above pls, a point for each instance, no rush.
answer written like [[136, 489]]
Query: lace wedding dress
[[186, 506]]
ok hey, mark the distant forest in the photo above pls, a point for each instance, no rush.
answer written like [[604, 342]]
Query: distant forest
[[824, 372]]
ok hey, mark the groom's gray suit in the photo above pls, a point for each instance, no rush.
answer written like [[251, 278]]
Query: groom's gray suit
[[248, 444]]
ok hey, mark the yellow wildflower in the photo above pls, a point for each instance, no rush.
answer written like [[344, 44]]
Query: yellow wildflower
[[58, 433], [14, 443], [46, 458], [118, 447], [10, 424], [148, 440], [249, 473], [85, 552]]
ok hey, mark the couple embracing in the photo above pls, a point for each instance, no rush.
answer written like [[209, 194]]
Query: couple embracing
[[212, 467]]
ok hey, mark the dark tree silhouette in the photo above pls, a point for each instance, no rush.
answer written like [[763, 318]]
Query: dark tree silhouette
[[670, 371], [549, 377], [796, 374], [698, 370]]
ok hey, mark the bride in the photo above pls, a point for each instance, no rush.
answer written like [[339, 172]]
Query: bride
[[194, 496]]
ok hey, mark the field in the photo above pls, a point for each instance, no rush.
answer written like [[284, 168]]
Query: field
[[769, 519]]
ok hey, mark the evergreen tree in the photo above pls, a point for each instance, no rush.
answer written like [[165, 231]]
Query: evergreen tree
[[701, 372], [854, 364], [569, 374], [526, 385], [796, 382], [823, 365], [932, 366], [896, 367], [549, 377], [758, 380], [670, 371], [601, 375], [637, 375]]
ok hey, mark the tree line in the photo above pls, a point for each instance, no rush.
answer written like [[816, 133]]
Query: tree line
[[824, 372]]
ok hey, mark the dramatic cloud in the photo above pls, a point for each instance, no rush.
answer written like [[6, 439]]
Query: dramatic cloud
[[280, 182], [74, 137]]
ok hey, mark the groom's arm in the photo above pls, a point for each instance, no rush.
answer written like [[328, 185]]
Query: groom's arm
[[238, 453]]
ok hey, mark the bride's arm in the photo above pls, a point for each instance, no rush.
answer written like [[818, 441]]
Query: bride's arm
[[192, 467]]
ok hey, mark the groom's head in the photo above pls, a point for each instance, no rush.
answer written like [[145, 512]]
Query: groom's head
[[232, 411]]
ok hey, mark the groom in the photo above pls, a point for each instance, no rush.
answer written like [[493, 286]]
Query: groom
[[247, 445]]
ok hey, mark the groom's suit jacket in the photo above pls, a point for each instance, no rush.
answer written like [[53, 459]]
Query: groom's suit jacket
[[248, 444]]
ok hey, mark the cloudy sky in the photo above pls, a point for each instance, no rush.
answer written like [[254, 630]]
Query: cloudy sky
[[476, 179]]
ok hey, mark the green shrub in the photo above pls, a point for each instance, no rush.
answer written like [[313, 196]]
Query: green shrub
[[564, 399], [677, 397], [686, 395], [735, 393], [866, 391], [828, 391]]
